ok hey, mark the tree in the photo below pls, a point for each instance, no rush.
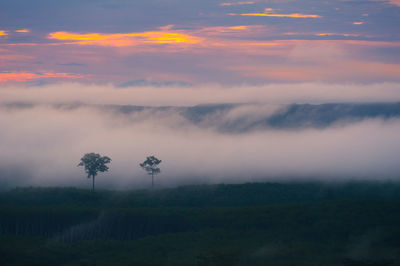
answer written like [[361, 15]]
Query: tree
[[94, 163], [151, 167]]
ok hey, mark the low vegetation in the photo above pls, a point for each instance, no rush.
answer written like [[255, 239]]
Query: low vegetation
[[250, 224]]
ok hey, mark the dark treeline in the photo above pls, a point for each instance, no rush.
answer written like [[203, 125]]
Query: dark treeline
[[250, 194], [251, 224]]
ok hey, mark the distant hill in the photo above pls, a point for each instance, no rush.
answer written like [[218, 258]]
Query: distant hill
[[236, 118]]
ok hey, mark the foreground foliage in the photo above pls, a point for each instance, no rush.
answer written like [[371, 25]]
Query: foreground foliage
[[250, 224]]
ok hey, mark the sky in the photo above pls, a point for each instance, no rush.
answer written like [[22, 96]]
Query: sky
[[190, 43], [65, 63]]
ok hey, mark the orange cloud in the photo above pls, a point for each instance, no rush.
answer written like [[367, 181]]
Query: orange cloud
[[269, 10], [239, 27], [268, 13], [295, 15], [321, 34], [337, 34], [3, 33], [23, 31], [167, 37], [124, 39], [358, 23], [25, 76], [237, 3]]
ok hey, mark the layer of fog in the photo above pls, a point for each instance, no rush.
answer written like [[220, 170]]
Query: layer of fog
[[203, 94], [42, 145]]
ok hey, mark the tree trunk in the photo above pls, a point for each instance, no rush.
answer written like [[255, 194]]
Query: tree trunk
[[152, 180], [92, 183]]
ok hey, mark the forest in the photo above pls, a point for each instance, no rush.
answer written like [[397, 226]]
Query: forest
[[291, 223]]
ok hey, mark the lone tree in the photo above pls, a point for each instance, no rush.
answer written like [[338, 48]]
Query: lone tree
[[151, 167], [94, 163]]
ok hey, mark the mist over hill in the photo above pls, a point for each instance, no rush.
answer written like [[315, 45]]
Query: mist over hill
[[236, 118], [41, 143], [294, 116]]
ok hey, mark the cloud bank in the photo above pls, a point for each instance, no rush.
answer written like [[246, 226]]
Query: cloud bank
[[206, 94]]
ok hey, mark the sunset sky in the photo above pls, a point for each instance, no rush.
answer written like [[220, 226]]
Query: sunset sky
[[220, 91], [186, 43]]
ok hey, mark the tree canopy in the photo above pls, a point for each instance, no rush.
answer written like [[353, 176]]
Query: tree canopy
[[94, 163], [150, 165]]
